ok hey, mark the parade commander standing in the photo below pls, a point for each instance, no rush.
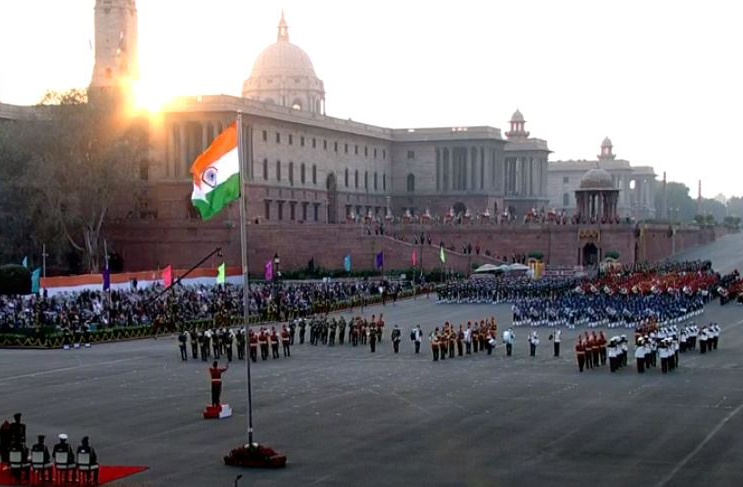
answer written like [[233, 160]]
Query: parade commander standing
[[216, 374]]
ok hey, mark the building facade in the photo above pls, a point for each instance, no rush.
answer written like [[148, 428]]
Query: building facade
[[636, 184]]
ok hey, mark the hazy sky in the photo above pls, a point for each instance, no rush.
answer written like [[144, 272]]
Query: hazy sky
[[663, 79]]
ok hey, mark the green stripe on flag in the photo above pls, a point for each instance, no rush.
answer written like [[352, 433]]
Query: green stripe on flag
[[219, 197]]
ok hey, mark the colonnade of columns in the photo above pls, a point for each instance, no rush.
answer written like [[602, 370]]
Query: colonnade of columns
[[475, 167], [597, 206], [186, 140]]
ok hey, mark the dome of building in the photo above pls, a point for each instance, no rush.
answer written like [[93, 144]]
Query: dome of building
[[517, 116], [283, 74], [606, 142], [597, 178]]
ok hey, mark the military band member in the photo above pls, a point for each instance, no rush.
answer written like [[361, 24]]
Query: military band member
[[468, 339], [64, 447], [241, 344], [182, 341], [285, 342], [263, 341], [533, 342], [417, 337], [302, 330], [640, 356], [435, 344], [556, 339], [227, 341], [580, 353], [253, 343], [373, 339], [204, 341], [216, 344], [292, 332], [396, 337], [274, 340], [194, 343], [460, 340], [341, 331], [46, 473]]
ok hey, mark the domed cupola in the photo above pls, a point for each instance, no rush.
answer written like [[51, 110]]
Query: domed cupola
[[283, 74]]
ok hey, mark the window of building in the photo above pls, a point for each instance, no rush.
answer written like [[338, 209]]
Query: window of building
[[384, 153], [278, 170], [335, 146], [291, 139], [301, 141], [565, 180], [410, 183], [565, 199], [356, 149], [345, 148], [356, 178], [325, 144], [375, 153], [314, 143], [366, 151], [267, 209], [304, 211], [301, 173], [278, 138], [291, 173], [292, 210], [265, 169], [411, 154], [144, 170], [317, 211], [314, 174], [366, 180], [265, 135], [346, 177], [375, 181], [280, 210], [384, 182]]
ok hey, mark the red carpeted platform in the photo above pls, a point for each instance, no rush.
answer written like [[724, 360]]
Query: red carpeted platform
[[106, 475]]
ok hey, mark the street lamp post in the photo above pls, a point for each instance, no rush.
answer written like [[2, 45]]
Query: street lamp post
[[276, 263]]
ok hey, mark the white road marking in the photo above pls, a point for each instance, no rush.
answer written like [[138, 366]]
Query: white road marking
[[696, 450], [65, 369]]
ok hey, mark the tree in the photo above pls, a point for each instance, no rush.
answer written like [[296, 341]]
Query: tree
[[81, 158], [715, 208], [680, 205], [735, 206]]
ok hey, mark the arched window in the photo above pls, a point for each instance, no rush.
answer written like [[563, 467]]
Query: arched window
[[278, 170], [291, 173], [366, 180], [314, 174], [411, 183], [265, 169], [301, 173], [356, 178], [375, 181], [297, 104], [565, 199], [346, 177]]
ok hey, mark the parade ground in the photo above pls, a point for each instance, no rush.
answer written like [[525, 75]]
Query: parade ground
[[344, 416]]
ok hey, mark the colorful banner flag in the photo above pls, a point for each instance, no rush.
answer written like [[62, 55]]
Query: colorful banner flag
[[35, 280], [25, 262], [106, 279], [167, 276], [216, 174], [442, 255], [347, 263], [268, 270], [414, 258], [221, 273], [379, 260]]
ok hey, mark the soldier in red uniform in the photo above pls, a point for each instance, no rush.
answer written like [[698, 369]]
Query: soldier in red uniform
[[602, 348], [263, 341], [216, 375], [460, 341], [285, 339], [253, 346], [580, 353], [274, 339]]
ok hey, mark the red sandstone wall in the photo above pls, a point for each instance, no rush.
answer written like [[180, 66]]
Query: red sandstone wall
[[154, 244]]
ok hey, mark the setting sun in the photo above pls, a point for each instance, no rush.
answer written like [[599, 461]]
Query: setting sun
[[149, 96]]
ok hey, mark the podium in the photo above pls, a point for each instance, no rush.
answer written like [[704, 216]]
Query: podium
[[218, 412]]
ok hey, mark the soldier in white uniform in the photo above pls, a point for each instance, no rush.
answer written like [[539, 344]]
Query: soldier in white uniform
[[556, 339], [640, 356]]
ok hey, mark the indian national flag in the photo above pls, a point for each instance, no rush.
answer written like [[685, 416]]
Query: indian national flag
[[216, 174]]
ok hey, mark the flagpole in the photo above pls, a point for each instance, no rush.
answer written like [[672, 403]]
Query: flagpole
[[244, 253]]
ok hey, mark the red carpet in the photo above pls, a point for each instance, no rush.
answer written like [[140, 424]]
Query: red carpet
[[106, 474]]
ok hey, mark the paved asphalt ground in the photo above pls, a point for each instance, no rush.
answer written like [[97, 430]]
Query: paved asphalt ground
[[345, 416]]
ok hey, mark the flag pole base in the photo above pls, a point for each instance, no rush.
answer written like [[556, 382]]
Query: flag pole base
[[255, 456], [217, 412]]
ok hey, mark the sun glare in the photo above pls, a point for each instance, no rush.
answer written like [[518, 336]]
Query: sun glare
[[149, 97]]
